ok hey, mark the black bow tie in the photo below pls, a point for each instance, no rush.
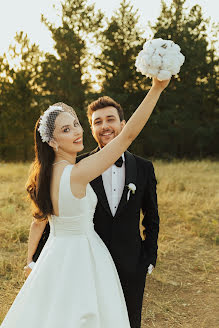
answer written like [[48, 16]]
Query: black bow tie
[[119, 162]]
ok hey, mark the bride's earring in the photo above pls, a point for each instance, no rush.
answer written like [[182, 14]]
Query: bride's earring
[[57, 148]]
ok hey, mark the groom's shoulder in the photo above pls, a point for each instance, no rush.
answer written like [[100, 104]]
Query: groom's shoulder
[[142, 162]]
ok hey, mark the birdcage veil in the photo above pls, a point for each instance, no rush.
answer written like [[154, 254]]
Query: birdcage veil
[[47, 120], [66, 108]]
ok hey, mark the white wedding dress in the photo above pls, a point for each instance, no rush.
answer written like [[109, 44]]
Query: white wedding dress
[[74, 283]]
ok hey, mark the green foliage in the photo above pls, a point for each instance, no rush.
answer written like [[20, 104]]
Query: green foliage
[[18, 102], [121, 41], [185, 122], [62, 77]]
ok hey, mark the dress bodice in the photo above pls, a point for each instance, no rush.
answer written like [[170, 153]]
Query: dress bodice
[[75, 214]]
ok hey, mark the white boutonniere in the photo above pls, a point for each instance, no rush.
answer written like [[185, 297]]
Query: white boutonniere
[[132, 188]]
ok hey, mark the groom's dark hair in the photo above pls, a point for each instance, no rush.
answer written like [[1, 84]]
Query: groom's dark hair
[[103, 102]]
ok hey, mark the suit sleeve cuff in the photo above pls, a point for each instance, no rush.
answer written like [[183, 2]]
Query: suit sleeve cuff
[[150, 269]]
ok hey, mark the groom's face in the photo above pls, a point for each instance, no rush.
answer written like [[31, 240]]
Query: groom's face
[[106, 125]]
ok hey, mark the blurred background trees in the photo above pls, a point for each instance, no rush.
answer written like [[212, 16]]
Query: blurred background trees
[[19, 99], [186, 120]]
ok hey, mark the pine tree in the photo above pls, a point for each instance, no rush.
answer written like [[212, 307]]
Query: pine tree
[[63, 76], [19, 99], [181, 122], [121, 41]]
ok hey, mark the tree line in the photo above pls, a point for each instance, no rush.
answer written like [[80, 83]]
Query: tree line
[[185, 123]]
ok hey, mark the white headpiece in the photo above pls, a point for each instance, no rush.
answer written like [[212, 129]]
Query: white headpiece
[[47, 121]]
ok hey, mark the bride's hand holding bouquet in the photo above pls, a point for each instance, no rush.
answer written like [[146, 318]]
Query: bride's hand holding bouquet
[[160, 85]]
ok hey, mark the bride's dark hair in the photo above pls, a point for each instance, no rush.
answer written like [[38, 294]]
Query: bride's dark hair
[[38, 183]]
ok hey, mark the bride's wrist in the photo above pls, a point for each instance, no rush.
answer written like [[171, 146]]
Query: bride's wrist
[[155, 91], [156, 88]]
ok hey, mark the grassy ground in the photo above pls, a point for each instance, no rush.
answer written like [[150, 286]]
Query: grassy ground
[[182, 291]]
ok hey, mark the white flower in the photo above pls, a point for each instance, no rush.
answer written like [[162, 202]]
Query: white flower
[[169, 43], [176, 47], [141, 54], [181, 58], [160, 51], [148, 49], [156, 43], [132, 188], [169, 62], [147, 45], [44, 124], [159, 58], [156, 60], [152, 71], [164, 75]]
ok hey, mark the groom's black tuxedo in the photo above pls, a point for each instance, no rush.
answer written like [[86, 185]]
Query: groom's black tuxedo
[[121, 234]]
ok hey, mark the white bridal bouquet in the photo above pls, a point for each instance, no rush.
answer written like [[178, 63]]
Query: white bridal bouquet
[[159, 58]]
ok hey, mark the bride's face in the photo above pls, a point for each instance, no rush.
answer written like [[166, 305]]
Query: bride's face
[[68, 133]]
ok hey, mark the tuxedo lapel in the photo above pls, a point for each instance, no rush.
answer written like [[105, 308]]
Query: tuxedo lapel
[[130, 177], [97, 185]]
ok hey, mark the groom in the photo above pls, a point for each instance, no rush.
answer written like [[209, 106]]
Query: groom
[[124, 190]]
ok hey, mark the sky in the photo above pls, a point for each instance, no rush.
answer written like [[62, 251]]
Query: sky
[[17, 15]]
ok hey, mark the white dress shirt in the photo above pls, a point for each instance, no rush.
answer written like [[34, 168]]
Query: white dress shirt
[[114, 182]]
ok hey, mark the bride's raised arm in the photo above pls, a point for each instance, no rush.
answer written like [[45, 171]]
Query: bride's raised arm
[[92, 166]]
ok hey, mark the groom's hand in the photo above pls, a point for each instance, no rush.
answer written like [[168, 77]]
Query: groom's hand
[[150, 268], [28, 268], [27, 271]]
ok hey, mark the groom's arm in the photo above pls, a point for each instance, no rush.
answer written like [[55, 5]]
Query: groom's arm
[[151, 217], [42, 242], [38, 235]]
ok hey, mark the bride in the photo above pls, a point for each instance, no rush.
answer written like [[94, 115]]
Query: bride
[[74, 283]]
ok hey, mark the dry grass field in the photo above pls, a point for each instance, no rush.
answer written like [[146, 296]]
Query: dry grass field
[[182, 291]]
